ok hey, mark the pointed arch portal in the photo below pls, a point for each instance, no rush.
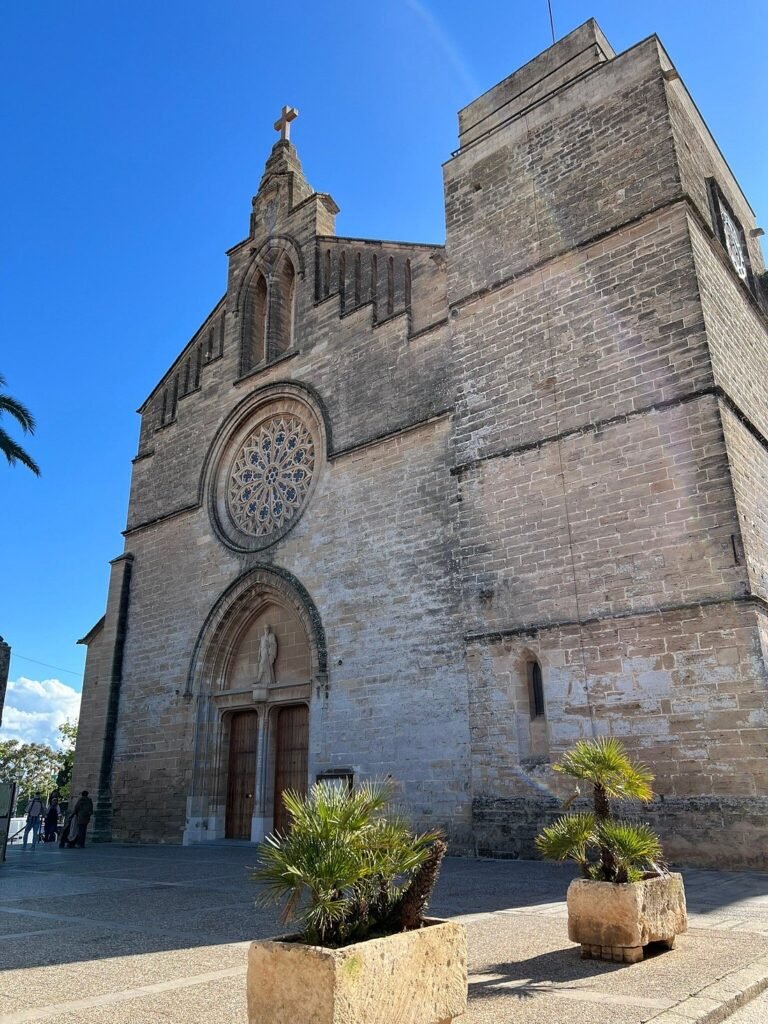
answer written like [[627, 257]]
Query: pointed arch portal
[[256, 675]]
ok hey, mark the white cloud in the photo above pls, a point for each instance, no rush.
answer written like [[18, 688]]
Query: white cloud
[[34, 709]]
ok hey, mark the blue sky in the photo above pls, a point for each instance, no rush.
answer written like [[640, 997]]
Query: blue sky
[[135, 135]]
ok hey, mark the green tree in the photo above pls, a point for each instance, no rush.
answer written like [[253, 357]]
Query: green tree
[[67, 742], [11, 449], [33, 766]]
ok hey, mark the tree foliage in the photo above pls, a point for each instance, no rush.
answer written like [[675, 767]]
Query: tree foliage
[[346, 869], [33, 766], [68, 731], [605, 849], [38, 768], [11, 449]]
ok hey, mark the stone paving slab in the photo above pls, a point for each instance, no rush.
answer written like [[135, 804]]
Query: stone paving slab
[[112, 935]]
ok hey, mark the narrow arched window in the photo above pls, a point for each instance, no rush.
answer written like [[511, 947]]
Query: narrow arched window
[[174, 397], [342, 278], [198, 364], [407, 284], [255, 334], [281, 294], [390, 286], [358, 277], [535, 690]]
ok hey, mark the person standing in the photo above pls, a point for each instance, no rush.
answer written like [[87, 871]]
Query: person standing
[[35, 812], [52, 818], [82, 813]]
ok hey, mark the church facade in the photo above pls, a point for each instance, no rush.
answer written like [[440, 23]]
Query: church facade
[[437, 512]]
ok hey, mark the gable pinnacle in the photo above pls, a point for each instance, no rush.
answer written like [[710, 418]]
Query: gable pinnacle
[[283, 123]]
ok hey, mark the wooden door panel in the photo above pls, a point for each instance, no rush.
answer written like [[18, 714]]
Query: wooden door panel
[[241, 776], [291, 763]]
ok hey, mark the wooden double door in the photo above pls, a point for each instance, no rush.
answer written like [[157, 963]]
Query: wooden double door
[[291, 745]]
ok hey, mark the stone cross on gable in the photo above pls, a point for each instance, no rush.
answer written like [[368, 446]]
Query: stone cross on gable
[[283, 123]]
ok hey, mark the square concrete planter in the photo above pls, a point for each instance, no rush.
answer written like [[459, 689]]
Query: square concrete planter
[[614, 921], [417, 977]]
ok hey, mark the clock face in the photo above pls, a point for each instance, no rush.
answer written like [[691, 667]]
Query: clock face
[[733, 243]]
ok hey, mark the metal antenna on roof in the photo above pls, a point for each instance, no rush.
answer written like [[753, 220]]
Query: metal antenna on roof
[[551, 19]]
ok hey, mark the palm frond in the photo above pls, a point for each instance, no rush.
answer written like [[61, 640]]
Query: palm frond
[[20, 413], [568, 838], [604, 762], [15, 453], [632, 845]]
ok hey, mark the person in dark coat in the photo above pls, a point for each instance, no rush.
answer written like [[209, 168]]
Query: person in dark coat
[[51, 819], [82, 813]]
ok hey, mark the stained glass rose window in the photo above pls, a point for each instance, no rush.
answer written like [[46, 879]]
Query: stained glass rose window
[[270, 475]]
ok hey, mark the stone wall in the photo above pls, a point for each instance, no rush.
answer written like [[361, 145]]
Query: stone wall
[[373, 551], [684, 690], [543, 442]]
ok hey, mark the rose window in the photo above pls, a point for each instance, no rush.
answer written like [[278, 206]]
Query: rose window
[[271, 476]]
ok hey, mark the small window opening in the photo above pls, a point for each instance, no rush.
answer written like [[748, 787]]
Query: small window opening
[[536, 690]]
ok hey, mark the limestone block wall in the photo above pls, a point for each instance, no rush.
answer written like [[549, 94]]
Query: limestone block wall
[[602, 332], [569, 169], [373, 551], [92, 715], [699, 158], [636, 516], [737, 333], [684, 690], [748, 460]]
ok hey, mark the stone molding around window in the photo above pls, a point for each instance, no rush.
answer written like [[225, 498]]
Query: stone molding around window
[[264, 468]]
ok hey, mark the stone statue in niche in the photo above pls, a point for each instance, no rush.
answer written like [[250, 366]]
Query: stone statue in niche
[[265, 670]]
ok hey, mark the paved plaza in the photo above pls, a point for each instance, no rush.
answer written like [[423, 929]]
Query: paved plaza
[[158, 935]]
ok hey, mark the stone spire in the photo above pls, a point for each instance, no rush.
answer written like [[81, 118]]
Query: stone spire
[[283, 184]]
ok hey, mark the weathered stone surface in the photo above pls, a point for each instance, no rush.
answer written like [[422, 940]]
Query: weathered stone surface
[[606, 916], [418, 976], [544, 441]]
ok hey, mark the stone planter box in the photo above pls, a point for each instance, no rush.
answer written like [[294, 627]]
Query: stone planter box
[[417, 977], [614, 921]]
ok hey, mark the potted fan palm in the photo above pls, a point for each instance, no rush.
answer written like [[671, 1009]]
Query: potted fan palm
[[357, 881], [626, 897]]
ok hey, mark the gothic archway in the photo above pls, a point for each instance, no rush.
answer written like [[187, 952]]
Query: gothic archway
[[260, 651]]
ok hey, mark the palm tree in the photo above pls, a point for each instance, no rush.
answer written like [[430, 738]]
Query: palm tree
[[10, 449], [625, 849], [347, 868]]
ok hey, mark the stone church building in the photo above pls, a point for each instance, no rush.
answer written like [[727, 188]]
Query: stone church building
[[438, 511]]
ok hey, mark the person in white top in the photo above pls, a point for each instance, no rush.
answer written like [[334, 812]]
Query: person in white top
[[35, 812]]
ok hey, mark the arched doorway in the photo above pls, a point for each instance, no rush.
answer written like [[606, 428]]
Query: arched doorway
[[256, 674]]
